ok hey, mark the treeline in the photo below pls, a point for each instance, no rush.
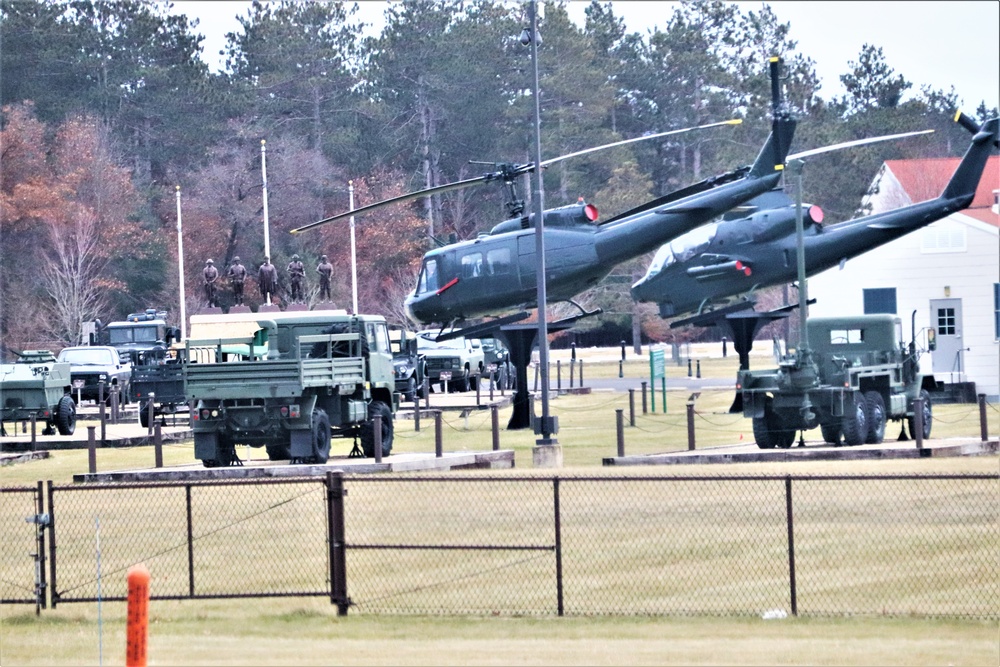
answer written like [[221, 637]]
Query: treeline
[[108, 108]]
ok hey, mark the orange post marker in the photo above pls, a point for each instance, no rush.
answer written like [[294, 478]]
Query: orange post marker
[[138, 616]]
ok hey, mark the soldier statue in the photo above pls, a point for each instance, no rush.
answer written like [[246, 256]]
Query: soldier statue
[[210, 275], [237, 275], [267, 279], [325, 271], [296, 274]]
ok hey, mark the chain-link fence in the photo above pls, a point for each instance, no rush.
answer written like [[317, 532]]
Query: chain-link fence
[[921, 545], [22, 549]]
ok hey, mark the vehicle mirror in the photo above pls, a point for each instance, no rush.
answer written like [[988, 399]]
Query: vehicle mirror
[[931, 339]]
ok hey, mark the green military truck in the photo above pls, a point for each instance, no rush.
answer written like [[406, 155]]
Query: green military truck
[[289, 381], [850, 377], [37, 385]]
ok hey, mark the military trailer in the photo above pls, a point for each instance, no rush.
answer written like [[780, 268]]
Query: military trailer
[[159, 381], [37, 385], [289, 381], [852, 376]]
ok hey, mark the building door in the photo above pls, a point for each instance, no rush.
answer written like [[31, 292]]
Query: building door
[[946, 317]]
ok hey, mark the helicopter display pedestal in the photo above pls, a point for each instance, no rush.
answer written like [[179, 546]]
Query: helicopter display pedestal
[[547, 455], [520, 339]]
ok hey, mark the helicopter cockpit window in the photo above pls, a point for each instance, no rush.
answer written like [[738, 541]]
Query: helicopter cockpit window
[[428, 279], [472, 265], [692, 243], [498, 262], [663, 257]]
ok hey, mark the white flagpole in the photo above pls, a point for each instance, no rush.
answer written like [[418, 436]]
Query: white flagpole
[[267, 236], [180, 266], [354, 259]]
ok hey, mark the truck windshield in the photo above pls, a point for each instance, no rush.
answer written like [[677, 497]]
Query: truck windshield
[[88, 357], [125, 335]]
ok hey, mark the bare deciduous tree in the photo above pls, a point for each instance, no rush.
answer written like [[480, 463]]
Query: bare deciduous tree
[[72, 277]]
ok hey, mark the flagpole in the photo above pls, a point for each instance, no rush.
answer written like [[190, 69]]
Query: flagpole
[[354, 256], [267, 237], [180, 265]]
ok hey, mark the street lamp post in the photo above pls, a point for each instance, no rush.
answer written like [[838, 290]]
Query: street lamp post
[[547, 452]]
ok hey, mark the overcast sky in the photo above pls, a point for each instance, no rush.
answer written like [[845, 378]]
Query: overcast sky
[[939, 44]]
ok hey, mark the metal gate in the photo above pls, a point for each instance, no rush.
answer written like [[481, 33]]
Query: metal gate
[[22, 551]]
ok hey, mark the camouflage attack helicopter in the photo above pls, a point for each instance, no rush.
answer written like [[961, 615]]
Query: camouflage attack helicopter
[[497, 273], [741, 254]]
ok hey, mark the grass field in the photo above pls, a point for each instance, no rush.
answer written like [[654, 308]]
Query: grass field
[[295, 631]]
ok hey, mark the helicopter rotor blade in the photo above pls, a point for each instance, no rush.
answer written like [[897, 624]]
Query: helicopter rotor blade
[[851, 144], [395, 200], [545, 163]]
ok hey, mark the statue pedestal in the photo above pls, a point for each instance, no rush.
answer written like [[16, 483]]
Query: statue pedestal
[[240, 309], [268, 308], [297, 307], [547, 455]]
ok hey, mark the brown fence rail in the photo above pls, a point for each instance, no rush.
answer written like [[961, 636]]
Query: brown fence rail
[[922, 545]]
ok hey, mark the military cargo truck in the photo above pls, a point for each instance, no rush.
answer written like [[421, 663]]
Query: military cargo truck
[[289, 381], [37, 385], [853, 376]]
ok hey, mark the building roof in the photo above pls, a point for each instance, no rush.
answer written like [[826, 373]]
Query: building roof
[[926, 179]]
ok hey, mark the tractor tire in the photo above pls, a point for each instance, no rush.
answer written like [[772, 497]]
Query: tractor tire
[[66, 415], [925, 420], [876, 417], [368, 429], [855, 421]]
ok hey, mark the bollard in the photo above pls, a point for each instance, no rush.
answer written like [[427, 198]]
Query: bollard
[[572, 351], [572, 367], [983, 432], [581, 373], [104, 420], [643, 397], [495, 425], [34, 420], [438, 448], [558, 375], [151, 407], [690, 416], [416, 415], [479, 386], [631, 407], [377, 432], [689, 367], [918, 422], [91, 450], [115, 393], [724, 347], [158, 446], [137, 629], [698, 368], [620, 431], [620, 373], [493, 381], [623, 350]]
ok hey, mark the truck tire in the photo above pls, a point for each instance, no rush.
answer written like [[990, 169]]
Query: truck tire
[[855, 421], [368, 429], [66, 415], [321, 436], [278, 452], [876, 417], [410, 395], [144, 414], [831, 433], [925, 421], [768, 431]]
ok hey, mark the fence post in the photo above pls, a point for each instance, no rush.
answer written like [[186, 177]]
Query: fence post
[[479, 386], [416, 414], [631, 407], [104, 416], [558, 522], [190, 539], [558, 375], [690, 421], [620, 430], [438, 447], [158, 446], [697, 366], [338, 543], [983, 431], [572, 368], [34, 442], [689, 366], [377, 433], [115, 393], [495, 425], [91, 450], [791, 544], [644, 397], [50, 502], [581, 373], [918, 421]]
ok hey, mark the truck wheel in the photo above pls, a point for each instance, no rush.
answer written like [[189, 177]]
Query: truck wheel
[[410, 394], [768, 431], [278, 452], [762, 433], [225, 455], [876, 417], [66, 416], [321, 436], [368, 429], [855, 421], [144, 414], [927, 417], [831, 433]]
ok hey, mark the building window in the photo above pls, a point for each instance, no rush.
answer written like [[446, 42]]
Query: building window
[[880, 300], [946, 322], [943, 236], [996, 310]]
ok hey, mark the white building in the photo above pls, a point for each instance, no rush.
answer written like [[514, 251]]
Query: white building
[[948, 272]]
